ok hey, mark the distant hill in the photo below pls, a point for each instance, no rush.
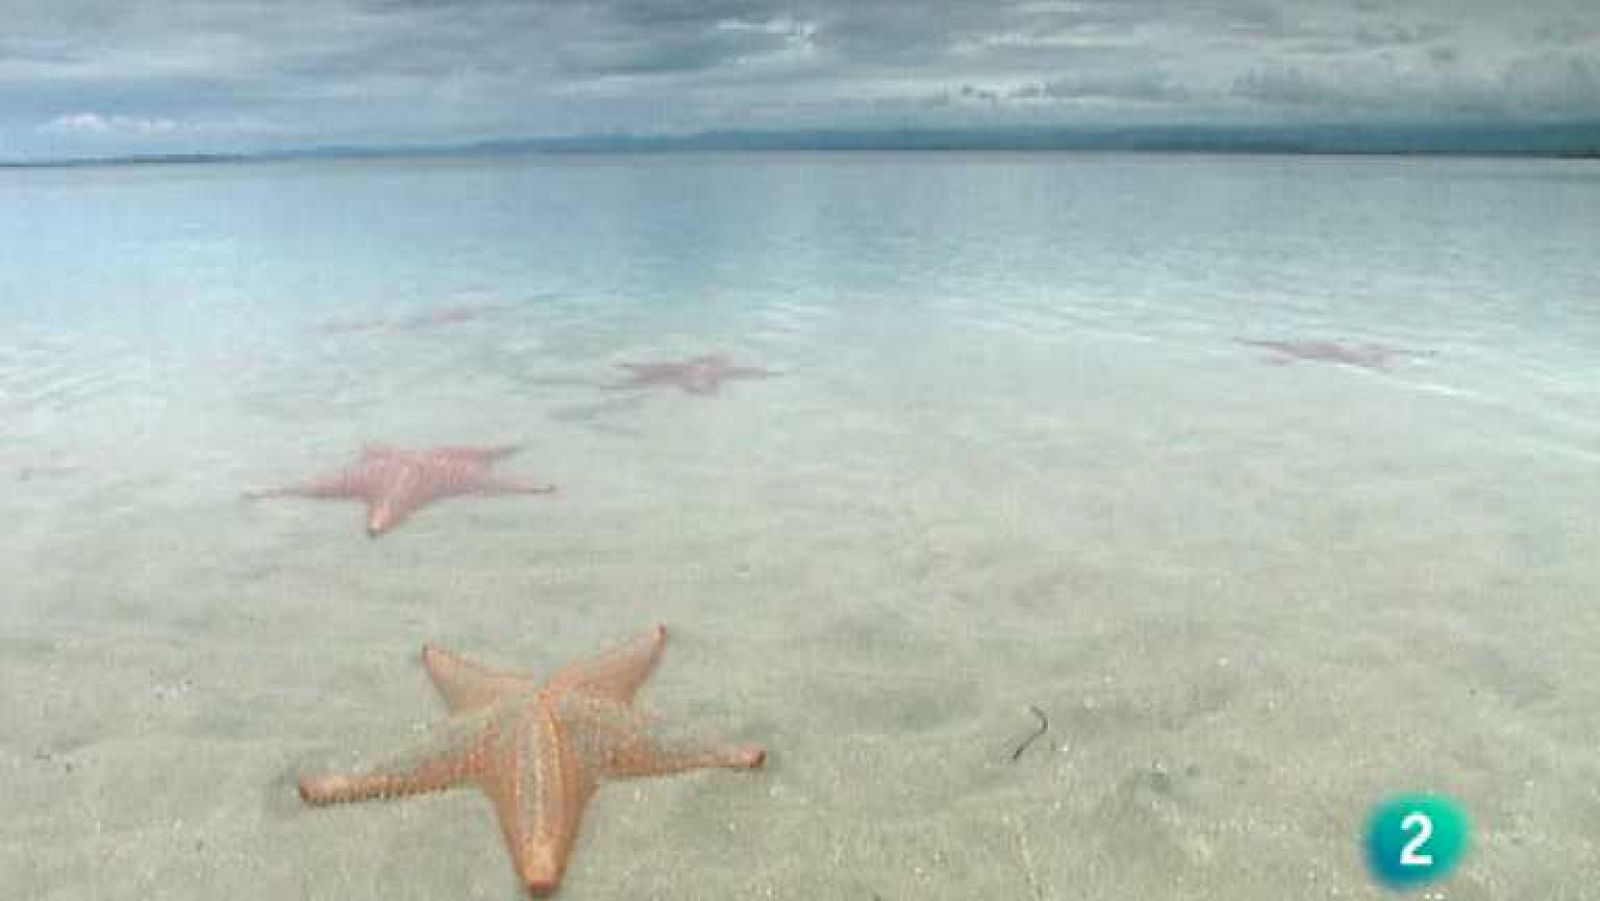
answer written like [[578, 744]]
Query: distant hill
[[1552, 139], [1567, 139]]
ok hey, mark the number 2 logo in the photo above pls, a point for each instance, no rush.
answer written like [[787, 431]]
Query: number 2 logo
[[1415, 839], [1409, 856]]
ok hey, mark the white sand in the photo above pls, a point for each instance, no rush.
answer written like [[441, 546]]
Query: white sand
[[1252, 601]]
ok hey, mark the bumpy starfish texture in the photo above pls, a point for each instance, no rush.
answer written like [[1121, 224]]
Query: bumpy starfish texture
[[394, 483], [538, 751], [702, 375], [1366, 356]]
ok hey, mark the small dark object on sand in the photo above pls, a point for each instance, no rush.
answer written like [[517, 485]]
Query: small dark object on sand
[[1044, 726]]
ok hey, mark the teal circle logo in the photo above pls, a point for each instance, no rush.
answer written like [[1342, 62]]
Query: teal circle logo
[[1413, 840]]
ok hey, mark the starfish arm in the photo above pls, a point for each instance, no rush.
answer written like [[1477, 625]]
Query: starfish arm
[[750, 372], [616, 674], [1279, 352], [407, 487], [645, 374], [539, 789], [351, 482], [509, 485], [470, 686], [430, 773], [640, 756], [477, 453], [640, 377], [334, 788]]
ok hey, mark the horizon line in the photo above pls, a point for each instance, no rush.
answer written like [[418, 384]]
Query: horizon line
[[1567, 139]]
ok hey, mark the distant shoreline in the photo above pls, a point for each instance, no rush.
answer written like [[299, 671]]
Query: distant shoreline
[[1553, 140]]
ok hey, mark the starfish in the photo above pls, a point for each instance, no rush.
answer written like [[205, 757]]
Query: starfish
[[351, 325], [396, 482], [538, 751], [464, 312], [701, 375], [442, 316], [1366, 356], [26, 470]]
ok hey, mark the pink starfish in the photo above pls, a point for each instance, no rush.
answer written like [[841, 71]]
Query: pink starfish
[[701, 375], [396, 482], [465, 312], [445, 315], [1367, 356], [539, 751], [351, 326]]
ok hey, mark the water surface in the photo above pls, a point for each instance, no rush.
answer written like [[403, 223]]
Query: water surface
[[1016, 459]]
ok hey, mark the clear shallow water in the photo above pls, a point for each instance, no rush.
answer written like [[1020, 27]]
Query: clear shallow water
[[1489, 249], [1016, 458], [1485, 260]]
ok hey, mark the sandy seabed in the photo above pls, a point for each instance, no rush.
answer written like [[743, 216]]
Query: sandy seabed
[[1251, 601]]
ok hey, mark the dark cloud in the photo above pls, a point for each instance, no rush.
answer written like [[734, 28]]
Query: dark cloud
[[685, 47], [1429, 86], [91, 76], [1444, 54], [1562, 83], [1568, 31], [1400, 34], [1130, 85]]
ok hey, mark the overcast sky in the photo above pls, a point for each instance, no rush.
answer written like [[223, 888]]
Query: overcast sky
[[92, 77]]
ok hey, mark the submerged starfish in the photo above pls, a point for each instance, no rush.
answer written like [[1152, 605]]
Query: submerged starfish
[[396, 482], [463, 312], [42, 468], [1367, 356], [697, 375], [441, 316], [538, 751]]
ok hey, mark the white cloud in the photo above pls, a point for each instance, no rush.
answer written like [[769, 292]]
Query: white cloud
[[99, 132], [96, 124]]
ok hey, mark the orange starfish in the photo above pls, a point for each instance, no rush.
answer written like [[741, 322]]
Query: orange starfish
[[698, 375], [396, 482], [537, 751]]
